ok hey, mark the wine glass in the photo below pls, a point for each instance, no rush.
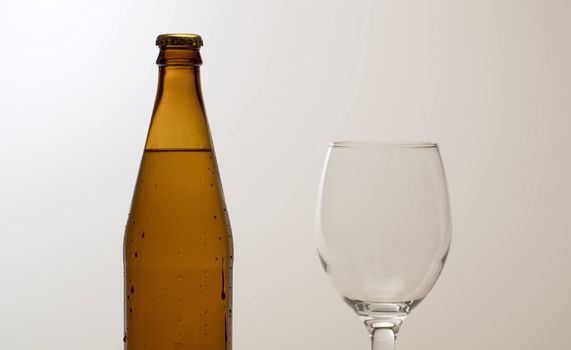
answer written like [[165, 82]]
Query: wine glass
[[384, 229]]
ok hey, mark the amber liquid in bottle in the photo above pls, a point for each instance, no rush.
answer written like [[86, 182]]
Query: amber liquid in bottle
[[178, 244]]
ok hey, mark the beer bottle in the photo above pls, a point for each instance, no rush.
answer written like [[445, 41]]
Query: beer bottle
[[178, 244]]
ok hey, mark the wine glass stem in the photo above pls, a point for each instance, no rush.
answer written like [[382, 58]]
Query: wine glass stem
[[383, 339]]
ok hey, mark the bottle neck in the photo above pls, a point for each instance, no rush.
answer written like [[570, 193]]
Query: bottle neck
[[178, 85], [179, 121], [179, 76]]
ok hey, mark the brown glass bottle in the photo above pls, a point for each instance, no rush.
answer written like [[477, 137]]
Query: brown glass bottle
[[178, 244]]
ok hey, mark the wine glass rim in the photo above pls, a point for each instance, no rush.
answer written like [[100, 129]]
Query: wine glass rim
[[381, 144]]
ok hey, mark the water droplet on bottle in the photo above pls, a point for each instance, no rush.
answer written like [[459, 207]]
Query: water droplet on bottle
[[178, 344], [179, 301], [124, 338], [223, 295], [132, 289], [143, 235], [179, 279], [215, 217], [219, 238], [156, 186], [136, 254], [180, 253], [130, 309]]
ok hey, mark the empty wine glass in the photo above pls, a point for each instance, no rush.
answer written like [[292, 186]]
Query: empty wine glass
[[384, 229]]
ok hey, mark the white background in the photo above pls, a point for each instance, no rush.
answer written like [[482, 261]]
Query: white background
[[489, 80]]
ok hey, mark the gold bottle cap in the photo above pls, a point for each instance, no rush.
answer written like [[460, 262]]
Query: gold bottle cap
[[188, 40]]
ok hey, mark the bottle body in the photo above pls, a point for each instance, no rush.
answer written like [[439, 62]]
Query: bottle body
[[178, 244]]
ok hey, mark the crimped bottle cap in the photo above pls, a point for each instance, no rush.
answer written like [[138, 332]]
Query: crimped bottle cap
[[188, 40]]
